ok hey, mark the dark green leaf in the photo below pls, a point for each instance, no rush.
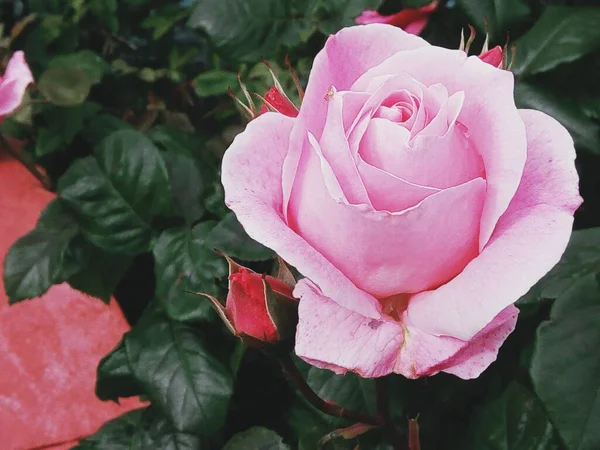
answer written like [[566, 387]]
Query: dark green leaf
[[188, 385], [115, 377], [337, 14], [562, 34], [585, 132], [86, 60], [256, 438], [65, 87], [141, 429], [116, 194], [184, 261], [39, 259], [99, 272], [502, 15], [214, 82], [514, 421], [229, 237], [102, 126], [565, 367], [245, 33]]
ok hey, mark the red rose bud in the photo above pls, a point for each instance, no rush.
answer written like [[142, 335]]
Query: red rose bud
[[252, 309], [275, 100], [494, 57], [411, 20]]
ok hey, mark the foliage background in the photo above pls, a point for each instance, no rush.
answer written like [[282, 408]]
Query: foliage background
[[129, 118]]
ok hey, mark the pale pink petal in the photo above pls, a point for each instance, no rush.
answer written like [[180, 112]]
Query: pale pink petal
[[250, 169], [382, 253], [332, 337], [489, 114], [346, 56], [13, 83], [336, 150], [390, 193], [528, 241], [335, 338], [424, 354]]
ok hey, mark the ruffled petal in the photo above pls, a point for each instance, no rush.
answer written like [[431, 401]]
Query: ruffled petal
[[528, 241]]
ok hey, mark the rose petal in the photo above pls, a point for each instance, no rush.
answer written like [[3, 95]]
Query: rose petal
[[375, 348], [336, 149], [13, 83], [335, 338], [489, 114], [528, 241], [250, 167], [381, 253], [390, 193], [346, 56], [424, 354]]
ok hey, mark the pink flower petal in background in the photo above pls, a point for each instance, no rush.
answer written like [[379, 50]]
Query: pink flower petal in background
[[49, 347], [13, 83], [411, 20]]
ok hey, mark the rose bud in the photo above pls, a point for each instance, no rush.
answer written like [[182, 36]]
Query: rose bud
[[275, 100], [494, 57], [256, 305], [259, 308]]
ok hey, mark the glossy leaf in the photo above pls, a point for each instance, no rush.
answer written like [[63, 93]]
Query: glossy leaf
[[180, 377], [502, 15], [561, 35], [116, 194], [185, 261]]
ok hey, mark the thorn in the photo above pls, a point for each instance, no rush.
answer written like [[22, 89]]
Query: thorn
[[513, 54], [462, 40], [486, 44]]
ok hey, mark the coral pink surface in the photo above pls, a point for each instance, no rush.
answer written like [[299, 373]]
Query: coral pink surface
[[50, 346]]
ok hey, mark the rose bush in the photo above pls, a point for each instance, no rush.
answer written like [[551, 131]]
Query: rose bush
[[415, 198]]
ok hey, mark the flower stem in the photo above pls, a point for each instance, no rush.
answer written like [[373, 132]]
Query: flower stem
[[329, 408], [24, 159], [383, 411]]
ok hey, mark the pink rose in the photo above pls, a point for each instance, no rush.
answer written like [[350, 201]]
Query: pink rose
[[415, 198], [13, 83], [411, 20]]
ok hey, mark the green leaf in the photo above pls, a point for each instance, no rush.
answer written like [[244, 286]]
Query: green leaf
[[39, 259], [514, 421], [565, 367], [102, 126], [94, 66], [178, 374], [141, 429], [116, 194], [337, 14], [502, 15], [99, 272], [184, 168], [256, 438], [561, 35], [214, 82], [229, 237], [163, 19], [245, 33], [115, 377], [65, 87], [64, 123], [184, 261], [585, 132]]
